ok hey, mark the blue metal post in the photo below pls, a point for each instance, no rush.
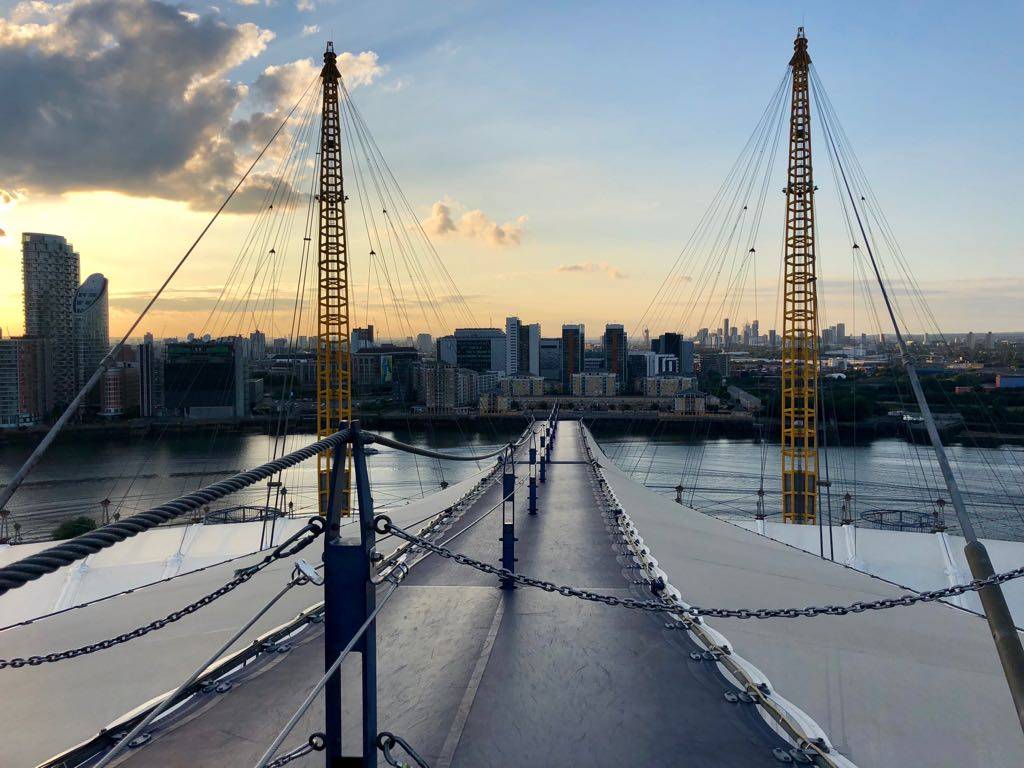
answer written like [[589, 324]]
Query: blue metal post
[[350, 597], [533, 478], [508, 519], [543, 459]]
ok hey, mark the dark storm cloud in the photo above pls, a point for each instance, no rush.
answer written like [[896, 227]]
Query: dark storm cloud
[[125, 95]]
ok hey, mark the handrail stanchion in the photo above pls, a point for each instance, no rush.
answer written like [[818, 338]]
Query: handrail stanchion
[[533, 475], [543, 459], [350, 598], [508, 518]]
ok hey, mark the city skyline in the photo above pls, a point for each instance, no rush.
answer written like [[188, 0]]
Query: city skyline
[[520, 210]]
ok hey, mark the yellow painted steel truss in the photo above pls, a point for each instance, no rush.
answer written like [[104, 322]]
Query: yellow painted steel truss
[[333, 377], [800, 311]]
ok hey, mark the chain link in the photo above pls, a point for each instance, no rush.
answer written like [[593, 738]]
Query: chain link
[[317, 743], [292, 545], [386, 741], [666, 605]]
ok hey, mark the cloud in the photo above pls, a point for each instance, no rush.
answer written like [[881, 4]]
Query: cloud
[[474, 225], [304, 5], [591, 267], [359, 68], [284, 83], [8, 199], [136, 96], [310, 29], [11, 196]]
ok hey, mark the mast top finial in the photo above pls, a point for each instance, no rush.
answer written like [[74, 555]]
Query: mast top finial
[[800, 56], [330, 70]]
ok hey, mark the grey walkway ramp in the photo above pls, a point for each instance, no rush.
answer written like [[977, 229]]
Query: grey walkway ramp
[[474, 676]]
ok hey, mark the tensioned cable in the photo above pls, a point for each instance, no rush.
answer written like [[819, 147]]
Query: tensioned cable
[[963, 517], [911, 450], [8, 491], [431, 454], [385, 203], [171, 698], [269, 198], [920, 305], [687, 249], [322, 682], [437, 260], [336, 665]]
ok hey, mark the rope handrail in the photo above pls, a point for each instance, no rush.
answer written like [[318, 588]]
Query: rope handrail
[[407, 448], [372, 437], [19, 573]]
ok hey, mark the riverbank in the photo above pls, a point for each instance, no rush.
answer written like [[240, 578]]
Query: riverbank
[[709, 425]]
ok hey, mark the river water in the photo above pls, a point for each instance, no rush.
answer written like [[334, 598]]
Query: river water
[[76, 475], [722, 476], [719, 476]]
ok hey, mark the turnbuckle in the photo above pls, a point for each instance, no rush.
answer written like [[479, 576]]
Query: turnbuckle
[[296, 543]]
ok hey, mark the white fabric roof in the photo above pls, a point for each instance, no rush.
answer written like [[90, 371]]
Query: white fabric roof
[[921, 561], [917, 685], [164, 553], [62, 704]]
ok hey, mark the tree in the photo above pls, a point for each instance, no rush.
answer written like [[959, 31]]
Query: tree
[[76, 527]]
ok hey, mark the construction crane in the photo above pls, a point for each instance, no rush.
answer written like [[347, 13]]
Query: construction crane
[[333, 377], [800, 310]]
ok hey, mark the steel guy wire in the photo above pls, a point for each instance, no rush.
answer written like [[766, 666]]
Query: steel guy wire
[[317, 743], [395, 578], [297, 578], [291, 546]]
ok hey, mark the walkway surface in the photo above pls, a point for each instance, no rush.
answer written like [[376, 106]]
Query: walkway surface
[[471, 675]]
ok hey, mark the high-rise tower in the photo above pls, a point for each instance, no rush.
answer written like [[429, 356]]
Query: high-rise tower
[[572, 353], [800, 310], [50, 270], [333, 381], [92, 328], [616, 353]]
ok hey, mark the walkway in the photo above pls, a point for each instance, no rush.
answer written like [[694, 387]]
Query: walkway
[[474, 676]]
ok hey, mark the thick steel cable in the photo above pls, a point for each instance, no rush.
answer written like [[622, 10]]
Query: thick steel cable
[[8, 491], [415, 449], [407, 448], [50, 560]]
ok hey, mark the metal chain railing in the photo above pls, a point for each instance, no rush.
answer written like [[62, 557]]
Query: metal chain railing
[[290, 546], [317, 743], [386, 741], [383, 524]]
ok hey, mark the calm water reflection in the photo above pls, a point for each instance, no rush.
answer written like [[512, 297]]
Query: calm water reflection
[[138, 473], [718, 475]]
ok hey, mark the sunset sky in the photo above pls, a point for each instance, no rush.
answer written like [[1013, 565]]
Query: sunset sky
[[559, 154]]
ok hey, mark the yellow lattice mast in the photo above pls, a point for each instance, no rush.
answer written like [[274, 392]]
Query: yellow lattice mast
[[333, 379], [800, 311]]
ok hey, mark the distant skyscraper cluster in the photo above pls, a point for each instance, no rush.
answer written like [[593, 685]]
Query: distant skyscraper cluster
[[67, 336]]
